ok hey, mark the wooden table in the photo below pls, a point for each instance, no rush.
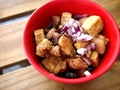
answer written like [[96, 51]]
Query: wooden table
[[13, 16]]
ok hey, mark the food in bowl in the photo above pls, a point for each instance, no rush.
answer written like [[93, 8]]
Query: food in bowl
[[71, 46]]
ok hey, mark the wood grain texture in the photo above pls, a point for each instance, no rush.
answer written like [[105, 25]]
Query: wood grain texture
[[10, 8], [11, 50], [29, 79], [16, 7]]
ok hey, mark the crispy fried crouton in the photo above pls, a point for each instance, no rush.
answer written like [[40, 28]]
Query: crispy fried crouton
[[94, 58], [43, 48], [39, 35], [81, 44], [66, 46], [66, 16], [93, 25], [54, 64]]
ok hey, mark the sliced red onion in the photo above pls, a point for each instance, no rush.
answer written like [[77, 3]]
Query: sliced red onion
[[82, 51], [88, 47], [64, 29], [87, 60], [69, 31], [73, 29], [84, 37], [80, 16], [87, 73], [92, 46], [77, 29], [75, 35], [70, 22], [78, 34], [81, 29], [73, 25]]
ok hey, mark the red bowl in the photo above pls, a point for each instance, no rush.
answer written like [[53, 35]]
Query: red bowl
[[41, 18]]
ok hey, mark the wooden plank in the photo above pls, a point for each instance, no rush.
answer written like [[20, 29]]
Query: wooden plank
[[29, 79], [112, 6], [21, 79], [14, 7], [11, 50]]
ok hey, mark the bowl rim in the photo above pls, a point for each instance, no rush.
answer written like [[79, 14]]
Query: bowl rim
[[76, 80]]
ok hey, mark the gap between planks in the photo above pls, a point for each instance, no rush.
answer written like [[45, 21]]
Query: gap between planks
[[11, 50], [29, 79]]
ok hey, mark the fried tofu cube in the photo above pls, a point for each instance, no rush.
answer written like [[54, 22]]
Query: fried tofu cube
[[55, 51], [94, 58], [81, 44], [66, 16], [39, 35], [93, 25], [43, 48], [99, 45], [54, 64], [76, 63], [66, 46]]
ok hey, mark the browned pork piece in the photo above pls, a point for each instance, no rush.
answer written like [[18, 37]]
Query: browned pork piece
[[55, 21], [105, 39], [76, 63], [49, 35], [99, 45], [55, 51]]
